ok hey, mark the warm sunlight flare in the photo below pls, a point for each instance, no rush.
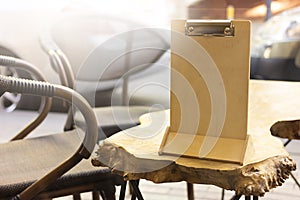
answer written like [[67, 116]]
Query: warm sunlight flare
[[260, 10]]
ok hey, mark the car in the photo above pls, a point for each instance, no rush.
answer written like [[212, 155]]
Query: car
[[275, 53]]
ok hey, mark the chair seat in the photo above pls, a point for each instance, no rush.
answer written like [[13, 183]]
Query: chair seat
[[24, 161], [115, 118]]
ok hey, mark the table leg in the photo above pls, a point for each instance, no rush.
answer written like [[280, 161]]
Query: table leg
[[123, 191], [255, 197], [287, 142], [296, 181], [236, 197], [136, 191], [133, 194], [96, 195], [76, 196], [190, 191], [223, 194]]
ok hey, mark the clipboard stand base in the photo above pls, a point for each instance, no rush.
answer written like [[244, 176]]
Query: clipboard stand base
[[204, 147]]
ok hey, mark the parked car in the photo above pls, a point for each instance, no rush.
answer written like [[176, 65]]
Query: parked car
[[275, 53]]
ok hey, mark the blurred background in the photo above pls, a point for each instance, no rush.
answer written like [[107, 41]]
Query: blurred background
[[78, 27]]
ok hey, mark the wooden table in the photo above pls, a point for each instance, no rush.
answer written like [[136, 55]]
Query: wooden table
[[133, 153]]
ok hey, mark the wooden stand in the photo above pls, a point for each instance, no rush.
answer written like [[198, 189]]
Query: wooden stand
[[209, 91], [189, 145]]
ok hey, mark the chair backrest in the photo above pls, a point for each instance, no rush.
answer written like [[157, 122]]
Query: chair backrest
[[120, 56], [45, 103]]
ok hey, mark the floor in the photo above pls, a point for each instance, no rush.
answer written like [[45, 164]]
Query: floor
[[151, 191]]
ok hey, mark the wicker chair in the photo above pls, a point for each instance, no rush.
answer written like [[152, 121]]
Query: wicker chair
[[112, 119], [51, 157]]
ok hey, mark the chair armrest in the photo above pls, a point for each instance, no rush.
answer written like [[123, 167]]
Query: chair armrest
[[46, 101], [24, 86]]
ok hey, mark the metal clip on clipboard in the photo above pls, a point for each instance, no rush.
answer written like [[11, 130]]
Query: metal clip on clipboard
[[221, 28]]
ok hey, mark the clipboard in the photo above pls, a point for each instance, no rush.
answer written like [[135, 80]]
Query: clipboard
[[210, 66]]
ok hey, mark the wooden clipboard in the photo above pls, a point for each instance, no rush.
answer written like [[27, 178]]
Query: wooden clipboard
[[209, 90]]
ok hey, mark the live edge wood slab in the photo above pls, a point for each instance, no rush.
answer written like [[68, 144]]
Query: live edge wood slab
[[286, 129], [133, 153]]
